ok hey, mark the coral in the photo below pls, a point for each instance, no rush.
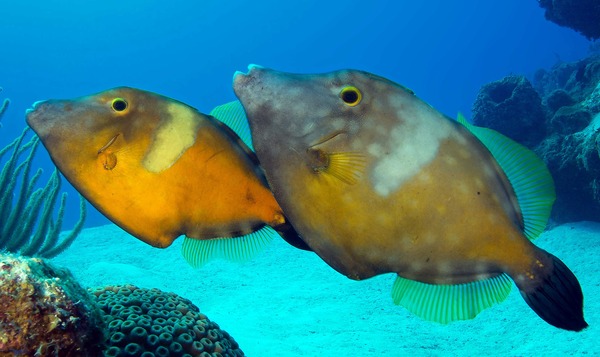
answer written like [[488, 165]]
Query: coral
[[150, 322], [27, 225], [582, 16], [44, 312], [512, 107], [558, 99], [570, 120], [577, 79]]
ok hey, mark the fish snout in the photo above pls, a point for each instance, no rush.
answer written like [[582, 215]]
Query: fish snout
[[41, 116], [34, 114], [244, 83]]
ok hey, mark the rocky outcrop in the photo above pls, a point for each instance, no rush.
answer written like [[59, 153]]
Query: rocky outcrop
[[561, 124], [582, 16], [45, 312], [513, 98]]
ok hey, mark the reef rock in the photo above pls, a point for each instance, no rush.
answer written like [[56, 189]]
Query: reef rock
[[582, 16], [574, 161], [570, 123], [150, 322], [513, 107], [45, 312]]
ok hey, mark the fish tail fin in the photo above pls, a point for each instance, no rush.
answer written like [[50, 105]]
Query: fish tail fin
[[557, 298]]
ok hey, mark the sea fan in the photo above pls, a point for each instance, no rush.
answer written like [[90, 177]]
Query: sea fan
[[27, 223]]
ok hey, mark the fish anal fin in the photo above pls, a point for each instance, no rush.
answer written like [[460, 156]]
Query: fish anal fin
[[198, 252], [347, 167], [447, 303]]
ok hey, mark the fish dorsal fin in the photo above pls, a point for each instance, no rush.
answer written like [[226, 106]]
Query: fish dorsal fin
[[347, 167], [233, 115], [447, 303], [527, 173], [198, 252]]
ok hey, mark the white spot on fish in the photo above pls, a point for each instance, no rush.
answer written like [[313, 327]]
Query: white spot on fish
[[460, 139], [425, 177], [481, 267], [416, 266], [488, 171], [430, 238], [375, 149], [450, 161], [174, 135], [463, 188], [445, 267], [412, 145], [337, 123], [464, 153], [478, 183], [492, 218]]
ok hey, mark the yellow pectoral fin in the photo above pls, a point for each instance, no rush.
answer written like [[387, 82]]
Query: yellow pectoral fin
[[347, 167]]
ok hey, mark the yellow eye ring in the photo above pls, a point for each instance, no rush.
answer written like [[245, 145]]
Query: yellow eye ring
[[119, 104], [351, 95]]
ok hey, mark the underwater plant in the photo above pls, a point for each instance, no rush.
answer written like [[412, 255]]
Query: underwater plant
[[27, 222]]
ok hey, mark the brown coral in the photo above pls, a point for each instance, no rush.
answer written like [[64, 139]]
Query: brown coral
[[150, 322], [45, 312]]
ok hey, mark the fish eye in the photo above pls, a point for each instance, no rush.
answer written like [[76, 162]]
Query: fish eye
[[351, 95], [119, 104]]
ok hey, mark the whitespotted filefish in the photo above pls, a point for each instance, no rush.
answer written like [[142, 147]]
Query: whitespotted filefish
[[159, 169], [375, 180]]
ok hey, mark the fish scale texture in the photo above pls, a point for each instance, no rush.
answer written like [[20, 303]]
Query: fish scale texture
[[150, 322]]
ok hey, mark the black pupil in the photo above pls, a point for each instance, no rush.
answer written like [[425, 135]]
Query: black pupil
[[119, 105], [350, 96]]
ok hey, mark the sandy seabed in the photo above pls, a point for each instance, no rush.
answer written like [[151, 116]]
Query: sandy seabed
[[287, 302]]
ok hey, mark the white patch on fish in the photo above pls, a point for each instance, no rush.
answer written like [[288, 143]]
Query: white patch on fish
[[174, 136], [415, 144]]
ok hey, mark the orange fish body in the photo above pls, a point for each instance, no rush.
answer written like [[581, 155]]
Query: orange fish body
[[376, 181], [155, 166]]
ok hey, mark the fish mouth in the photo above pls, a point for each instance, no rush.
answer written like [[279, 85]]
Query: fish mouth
[[247, 87], [36, 117], [251, 68], [241, 79], [34, 107]]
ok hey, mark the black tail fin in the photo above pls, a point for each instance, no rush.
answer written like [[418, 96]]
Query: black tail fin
[[558, 299]]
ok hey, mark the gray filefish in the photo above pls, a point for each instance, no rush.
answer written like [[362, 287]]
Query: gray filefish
[[375, 180]]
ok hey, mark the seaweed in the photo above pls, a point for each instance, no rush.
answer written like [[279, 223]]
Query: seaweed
[[30, 221]]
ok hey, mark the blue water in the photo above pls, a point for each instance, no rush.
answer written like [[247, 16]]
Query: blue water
[[444, 50], [189, 50]]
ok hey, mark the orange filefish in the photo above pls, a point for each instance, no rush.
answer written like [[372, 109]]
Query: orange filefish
[[375, 181], [159, 169]]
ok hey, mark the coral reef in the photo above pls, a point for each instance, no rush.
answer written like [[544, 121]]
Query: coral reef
[[44, 312], [27, 224], [150, 322], [582, 16], [570, 123], [499, 104]]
